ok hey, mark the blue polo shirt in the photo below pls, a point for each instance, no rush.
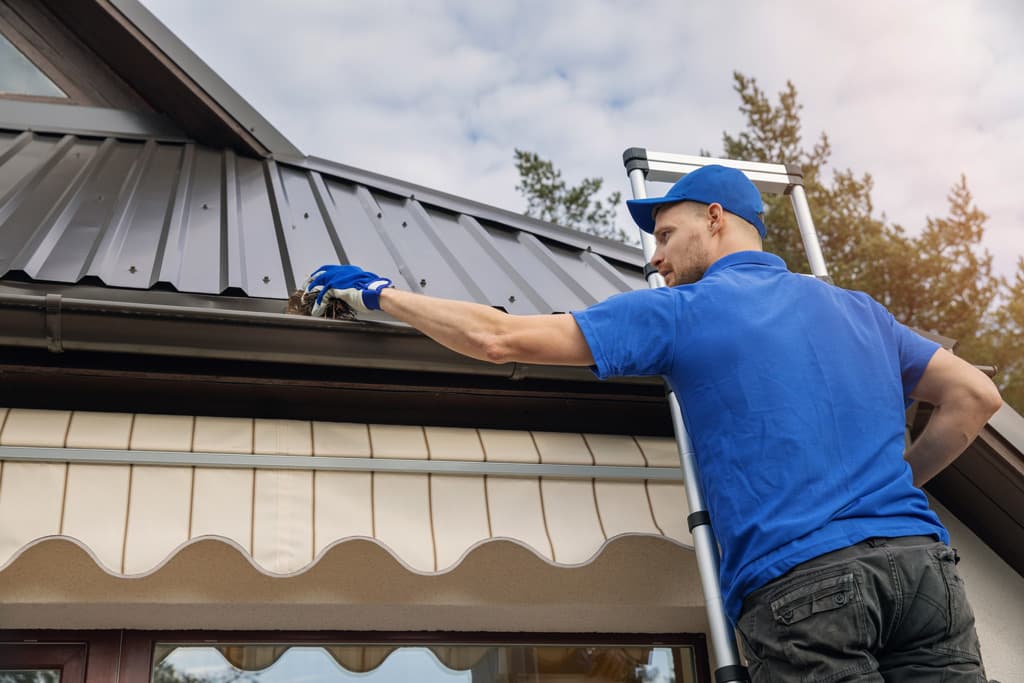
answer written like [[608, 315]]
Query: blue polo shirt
[[794, 394]]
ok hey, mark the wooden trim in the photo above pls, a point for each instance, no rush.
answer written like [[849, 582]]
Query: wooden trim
[[212, 105], [69, 658], [72, 66], [38, 98]]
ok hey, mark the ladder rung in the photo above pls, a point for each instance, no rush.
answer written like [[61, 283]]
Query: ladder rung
[[668, 168]]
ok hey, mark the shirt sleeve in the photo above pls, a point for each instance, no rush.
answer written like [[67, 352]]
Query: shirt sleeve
[[915, 352], [631, 334]]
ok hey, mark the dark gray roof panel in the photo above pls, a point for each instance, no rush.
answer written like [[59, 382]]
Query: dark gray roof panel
[[144, 214]]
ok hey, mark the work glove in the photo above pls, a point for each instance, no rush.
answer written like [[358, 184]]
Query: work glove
[[358, 288]]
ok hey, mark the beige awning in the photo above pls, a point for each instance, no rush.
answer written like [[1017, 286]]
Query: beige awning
[[154, 531]]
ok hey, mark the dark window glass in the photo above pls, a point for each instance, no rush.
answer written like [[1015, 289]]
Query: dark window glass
[[33, 676], [19, 76]]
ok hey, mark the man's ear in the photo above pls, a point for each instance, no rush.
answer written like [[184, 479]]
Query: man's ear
[[716, 217]]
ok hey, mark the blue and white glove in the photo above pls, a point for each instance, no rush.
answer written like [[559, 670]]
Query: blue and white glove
[[358, 288]]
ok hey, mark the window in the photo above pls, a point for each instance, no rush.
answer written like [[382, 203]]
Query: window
[[390, 663], [42, 662], [19, 76]]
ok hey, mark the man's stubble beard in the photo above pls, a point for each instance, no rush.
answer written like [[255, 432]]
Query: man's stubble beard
[[697, 263]]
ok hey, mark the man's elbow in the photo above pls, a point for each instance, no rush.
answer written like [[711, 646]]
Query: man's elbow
[[495, 348], [989, 399]]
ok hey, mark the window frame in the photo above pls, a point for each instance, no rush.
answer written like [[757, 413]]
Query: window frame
[[127, 656]]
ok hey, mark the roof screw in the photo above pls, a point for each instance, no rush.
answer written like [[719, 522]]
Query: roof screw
[[99, 197], [206, 206], [266, 279], [380, 215], [252, 129], [405, 224], [512, 299], [412, 196], [423, 282], [132, 269], [305, 215], [293, 226]]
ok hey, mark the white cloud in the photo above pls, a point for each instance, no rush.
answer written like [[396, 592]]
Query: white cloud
[[441, 93]]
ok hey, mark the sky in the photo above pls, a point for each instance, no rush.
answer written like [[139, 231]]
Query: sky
[[441, 93]]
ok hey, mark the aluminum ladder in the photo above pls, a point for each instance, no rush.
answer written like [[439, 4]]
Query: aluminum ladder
[[643, 165]]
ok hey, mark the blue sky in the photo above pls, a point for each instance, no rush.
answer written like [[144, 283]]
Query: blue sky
[[441, 93]]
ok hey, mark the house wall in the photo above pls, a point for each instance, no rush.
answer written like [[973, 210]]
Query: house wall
[[996, 593]]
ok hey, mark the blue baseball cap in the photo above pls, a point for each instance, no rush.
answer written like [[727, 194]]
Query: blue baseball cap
[[708, 185]]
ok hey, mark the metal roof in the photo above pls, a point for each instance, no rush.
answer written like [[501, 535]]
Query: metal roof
[[145, 214]]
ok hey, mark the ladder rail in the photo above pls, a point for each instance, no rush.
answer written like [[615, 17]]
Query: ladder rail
[[705, 546], [779, 179]]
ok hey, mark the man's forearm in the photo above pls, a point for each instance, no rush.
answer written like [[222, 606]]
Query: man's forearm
[[465, 327], [488, 334], [948, 434]]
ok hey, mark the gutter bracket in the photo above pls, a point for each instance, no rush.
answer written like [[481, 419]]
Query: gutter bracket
[[54, 343]]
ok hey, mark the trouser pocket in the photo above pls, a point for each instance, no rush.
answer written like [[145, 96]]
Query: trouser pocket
[[810, 626]]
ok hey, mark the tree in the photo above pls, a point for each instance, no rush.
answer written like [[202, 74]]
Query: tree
[[939, 281], [1006, 341], [861, 250], [950, 276], [550, 198]]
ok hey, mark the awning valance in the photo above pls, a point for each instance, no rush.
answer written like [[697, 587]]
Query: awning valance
[[143, 521]]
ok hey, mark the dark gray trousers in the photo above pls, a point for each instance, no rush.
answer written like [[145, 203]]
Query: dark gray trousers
[[885, 609]]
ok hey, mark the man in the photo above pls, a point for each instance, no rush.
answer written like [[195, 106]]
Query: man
[[833, 566]]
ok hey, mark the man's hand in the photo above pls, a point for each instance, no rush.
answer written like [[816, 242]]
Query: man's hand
[[358, 288]]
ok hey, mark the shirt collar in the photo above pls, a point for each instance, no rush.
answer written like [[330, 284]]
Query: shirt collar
[[741, 258]]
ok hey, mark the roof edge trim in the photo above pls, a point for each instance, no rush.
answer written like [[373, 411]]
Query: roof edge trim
[[226, 97]]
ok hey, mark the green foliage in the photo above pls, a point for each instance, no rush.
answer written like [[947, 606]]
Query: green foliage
[[940, 281], [551, 199], [1008, 341]]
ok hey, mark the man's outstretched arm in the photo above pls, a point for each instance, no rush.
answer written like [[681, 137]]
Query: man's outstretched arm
[[488, 334], [964, 399]]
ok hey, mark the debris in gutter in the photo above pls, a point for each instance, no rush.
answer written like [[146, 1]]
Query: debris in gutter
[[301, 303]]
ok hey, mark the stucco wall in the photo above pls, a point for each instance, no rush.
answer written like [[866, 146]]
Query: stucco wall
[[996, 593]]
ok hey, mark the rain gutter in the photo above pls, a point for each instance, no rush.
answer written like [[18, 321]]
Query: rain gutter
[[62, 324]]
